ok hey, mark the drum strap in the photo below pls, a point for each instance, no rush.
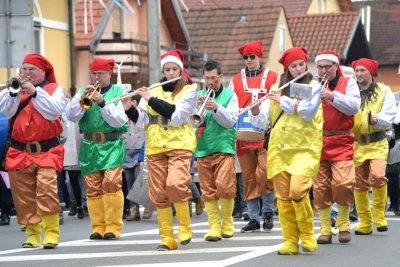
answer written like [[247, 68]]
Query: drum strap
[[254, 91]]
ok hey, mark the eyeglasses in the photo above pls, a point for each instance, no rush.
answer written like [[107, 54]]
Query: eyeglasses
[[212, 78], [327, 67], [252, 57], [98, 73]]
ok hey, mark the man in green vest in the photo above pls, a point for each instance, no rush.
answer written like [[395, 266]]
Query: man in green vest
[[102, 150], [216, 151]]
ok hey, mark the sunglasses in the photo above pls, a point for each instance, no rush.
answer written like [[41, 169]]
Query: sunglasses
[[252, 57]]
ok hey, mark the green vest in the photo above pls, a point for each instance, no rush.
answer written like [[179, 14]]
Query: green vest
[[92, 156], [215, 138]]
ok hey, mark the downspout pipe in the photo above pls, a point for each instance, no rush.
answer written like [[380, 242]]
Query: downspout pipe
[[71, 47]]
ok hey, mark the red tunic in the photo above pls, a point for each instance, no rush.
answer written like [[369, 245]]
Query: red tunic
[[245, 99], [30, 126], [337, 147]]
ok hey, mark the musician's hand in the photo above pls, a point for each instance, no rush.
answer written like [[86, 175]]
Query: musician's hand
[[211, 105], [255, 110], [97, 97], [87, 91], [326, 94], [27, 87], [144, 93], [274, 96], [126, 102], [374, 120], [200, 100]]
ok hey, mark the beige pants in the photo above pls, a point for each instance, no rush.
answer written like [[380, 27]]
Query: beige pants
[[254, 170], [34, 192], [334, 183], [371, 174], [217, 176], [169, 177], [291, 187], [105, 181]]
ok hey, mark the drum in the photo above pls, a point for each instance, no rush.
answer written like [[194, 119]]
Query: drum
[[245, 131], [3, 131]]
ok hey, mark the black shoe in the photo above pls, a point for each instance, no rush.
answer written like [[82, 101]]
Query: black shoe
[[81, 215], [72, 210], [237, 215], [353, 216], [4, 219], [86, 211], [268, 223], [246, 216], [252, 226], [50, 246], [109, 236], [382, 228], [95, 236]]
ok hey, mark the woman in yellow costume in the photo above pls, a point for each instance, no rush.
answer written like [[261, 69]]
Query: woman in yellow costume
[[164, 113], [294, 150]]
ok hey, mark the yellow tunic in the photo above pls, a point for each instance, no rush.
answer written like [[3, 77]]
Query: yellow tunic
[[295, 144], [375, 150], [162, 138]]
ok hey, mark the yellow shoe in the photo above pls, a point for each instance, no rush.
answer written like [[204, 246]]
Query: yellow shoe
[[379, 199], [228, 228], [183, 217], [364, 213], [290, 233], [51, 230], [33, 233], [113, 209], [214, 221], [96, 213], [166, 231], [305, 224]]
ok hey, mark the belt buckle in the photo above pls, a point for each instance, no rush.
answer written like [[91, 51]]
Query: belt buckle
[[34, 144], [364, 139], [98, 137]]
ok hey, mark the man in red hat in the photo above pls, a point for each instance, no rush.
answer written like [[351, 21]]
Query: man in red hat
[[35, 154], [378, 110], [341, 100], [251, 83], [102, 150]]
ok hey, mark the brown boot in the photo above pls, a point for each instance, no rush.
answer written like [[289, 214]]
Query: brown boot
[[344, 236], [199, 207], [147, 213], [135, 214], [324, 239]]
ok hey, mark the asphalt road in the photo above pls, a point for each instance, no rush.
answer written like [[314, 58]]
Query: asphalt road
[[137, 247]]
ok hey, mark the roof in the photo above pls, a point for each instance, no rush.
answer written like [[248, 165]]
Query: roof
[[221, 31], [292, 7], [333, 31], [384, 32], [82, 38]]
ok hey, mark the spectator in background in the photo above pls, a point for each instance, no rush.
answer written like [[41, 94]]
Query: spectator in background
[[393, 170]]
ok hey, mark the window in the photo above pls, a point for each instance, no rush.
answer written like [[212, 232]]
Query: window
[[365, 12], [282, 39], [322, 6], [37, 37]]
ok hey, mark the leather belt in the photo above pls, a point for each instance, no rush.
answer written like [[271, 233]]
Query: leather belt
[[36, 147], [335, 132], [371, 138], [100, 137], [157, 119]]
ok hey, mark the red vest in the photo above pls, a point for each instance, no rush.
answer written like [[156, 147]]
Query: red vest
[[245, 100], [30, 126], [337, 147]]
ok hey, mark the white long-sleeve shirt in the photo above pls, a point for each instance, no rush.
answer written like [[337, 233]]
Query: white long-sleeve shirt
[[114, 115], [348, 103], [227, 117], [49, 106], [388, 112]]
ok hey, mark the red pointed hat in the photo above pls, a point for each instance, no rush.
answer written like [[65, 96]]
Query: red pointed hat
[[42, 63], [370, 64], [331, 56], [252, 48], [174, 56], [291, 55], [99, 64]]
